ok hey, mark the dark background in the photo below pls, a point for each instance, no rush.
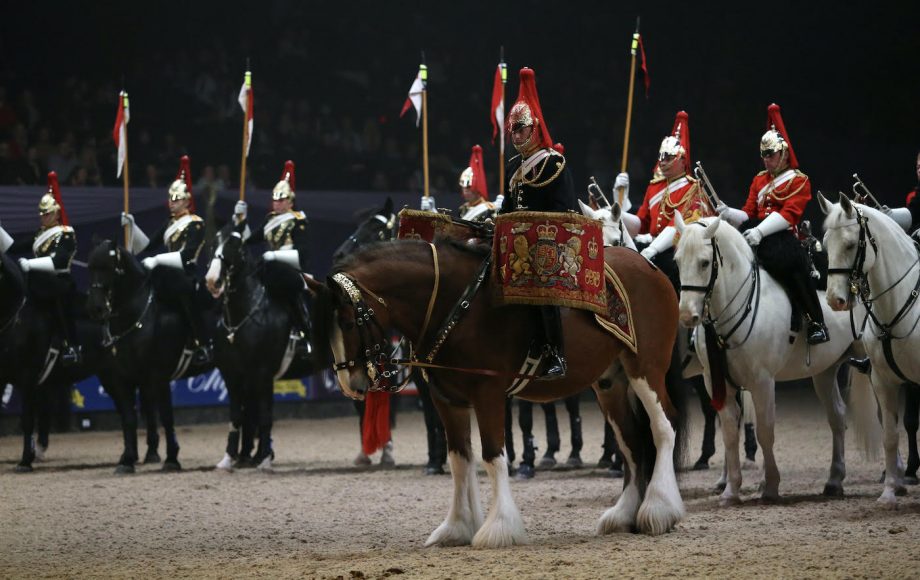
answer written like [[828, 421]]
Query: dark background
[[330, 79]]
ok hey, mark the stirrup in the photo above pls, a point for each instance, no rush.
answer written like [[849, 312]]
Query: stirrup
[[556, 367], [203, 354], [817, 333], [71, 355]]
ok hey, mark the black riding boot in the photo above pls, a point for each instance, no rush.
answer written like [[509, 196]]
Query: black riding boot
[[202, 354], [71, 353], [816, 331], [302, 321], [554, 350]]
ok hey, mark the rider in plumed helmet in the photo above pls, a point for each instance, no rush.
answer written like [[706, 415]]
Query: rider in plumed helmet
[[476, 206], [539, 181], [49, 271], [173, 271], [285, 230], [774, 208]]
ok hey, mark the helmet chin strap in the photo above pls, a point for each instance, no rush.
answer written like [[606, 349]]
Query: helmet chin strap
[[783, 163], [528, 146]]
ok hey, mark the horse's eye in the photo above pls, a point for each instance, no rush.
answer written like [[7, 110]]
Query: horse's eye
[[849, 246], [704, 264]]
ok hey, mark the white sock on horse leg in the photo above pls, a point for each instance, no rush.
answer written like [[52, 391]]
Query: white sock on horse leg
[[465, 514], [503, 526], [622, 516]]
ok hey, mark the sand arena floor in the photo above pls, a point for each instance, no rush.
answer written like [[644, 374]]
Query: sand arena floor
[[317, 516]]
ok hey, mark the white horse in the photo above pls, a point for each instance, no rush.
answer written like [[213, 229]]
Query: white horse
[[872, 258], [724, 287], [615, 231]]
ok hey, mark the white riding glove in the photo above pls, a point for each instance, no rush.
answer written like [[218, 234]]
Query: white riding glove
[[45, 264], [239, 211], [643, 238], [289, 257], [900, 215], [169, 259], [137, 239], [733, 216], [771, 224], [6, 241], [622, 180], [499, 201], [428, 204], [662, 243]]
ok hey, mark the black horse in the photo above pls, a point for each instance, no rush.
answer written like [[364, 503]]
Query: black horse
[[146, 339], [253, 347], [378, 227], [27, 360]]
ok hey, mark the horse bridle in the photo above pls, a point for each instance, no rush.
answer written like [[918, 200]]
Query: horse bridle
[[858, 280], [227, 272], [750, 305], [108, 339]]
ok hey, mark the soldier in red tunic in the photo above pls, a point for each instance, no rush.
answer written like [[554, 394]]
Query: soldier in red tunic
[[774, 208], [672, 190]]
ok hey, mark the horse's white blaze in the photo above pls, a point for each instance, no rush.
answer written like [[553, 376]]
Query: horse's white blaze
[[662, 507], [503, 526], [464, 517], [225, 464], [622, 516], [337, 343]]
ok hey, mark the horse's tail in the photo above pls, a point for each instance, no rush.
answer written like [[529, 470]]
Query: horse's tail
[[677, 392], [864, 415]]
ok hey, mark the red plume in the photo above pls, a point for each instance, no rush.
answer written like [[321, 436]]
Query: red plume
[[479, 172], [527, 93], [376, 432], [185, 174], [288, 174], [55, 189], [775, 120], [681, 130], [560, 148]]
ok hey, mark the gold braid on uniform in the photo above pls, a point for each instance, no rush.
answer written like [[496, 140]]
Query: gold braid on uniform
[[775, 194], [533, 182], [666, 203]]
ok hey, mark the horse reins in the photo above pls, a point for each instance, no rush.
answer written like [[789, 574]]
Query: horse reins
[[859, 286]]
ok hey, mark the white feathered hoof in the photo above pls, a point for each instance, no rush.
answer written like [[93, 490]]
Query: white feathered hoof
[[40, 453], [728, 500], [616, 520], [888, 499], [450, 533], [659, 513], [225, 464], [265, 465], [503, 531]]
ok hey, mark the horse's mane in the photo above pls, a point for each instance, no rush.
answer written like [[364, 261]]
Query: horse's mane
[[691, 240], [99, 254], [407, 251]]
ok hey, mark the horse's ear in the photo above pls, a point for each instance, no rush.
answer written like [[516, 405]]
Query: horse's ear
[[586, 210], [679, 222], [846, 204], [387, 206], [616, 211], [711, 228], [824, 204]]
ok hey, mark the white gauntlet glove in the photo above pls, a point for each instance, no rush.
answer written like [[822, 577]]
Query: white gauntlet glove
[[622, 180], [499, 201], [733, 216], [662, 243], [169, 259], [428, 204], [137, 239], [5, 241], [45, 264], [900, 215], [771, 224], [643, 238], [239, 211], [289, 257]]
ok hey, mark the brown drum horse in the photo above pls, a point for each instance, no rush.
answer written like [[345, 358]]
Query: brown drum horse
[[412, 286]]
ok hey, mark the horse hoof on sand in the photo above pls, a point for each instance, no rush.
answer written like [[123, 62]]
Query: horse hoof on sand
[[900, 491], [833, 490], [729, 501], [749, 465], [23, 468], [501, 533], [450, 534], [772, 499], [40, 452], [171, 465], [658, 516], [615, 521], [225, 464], [911, 480], [719, 487], [701, 465], [151, 458], [122, 469]]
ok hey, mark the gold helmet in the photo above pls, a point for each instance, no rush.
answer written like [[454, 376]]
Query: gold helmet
[[51, 201], [181, 187], [466, 178], [284, 189]]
